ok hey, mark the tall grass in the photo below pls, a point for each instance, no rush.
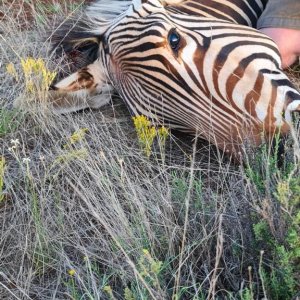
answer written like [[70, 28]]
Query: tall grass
[[87, 215]]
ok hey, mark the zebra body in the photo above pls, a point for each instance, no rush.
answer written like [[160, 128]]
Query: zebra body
[[194, 72], [243, 12]]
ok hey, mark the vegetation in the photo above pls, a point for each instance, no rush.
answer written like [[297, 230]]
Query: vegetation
[[95, 205]]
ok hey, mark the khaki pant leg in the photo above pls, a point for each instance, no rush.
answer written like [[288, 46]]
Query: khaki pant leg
[[281, 14]]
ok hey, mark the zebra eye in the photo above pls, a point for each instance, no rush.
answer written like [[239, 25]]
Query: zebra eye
[[174, 39]]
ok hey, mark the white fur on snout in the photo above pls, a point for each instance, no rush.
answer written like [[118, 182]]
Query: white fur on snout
[[64, 84], [73, 80], [80, 93], [82, 99]]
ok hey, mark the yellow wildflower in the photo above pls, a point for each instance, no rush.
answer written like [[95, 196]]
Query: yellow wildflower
[[109, 292], [27, 65], [140, 122], [38, 65], [163, 133], [146, 252], [128, 295], [11, 70], [107, 289], [78, 135], [48, 77], [149, 267], [71, 272], [145, 132], [30, 86], [33, 68]]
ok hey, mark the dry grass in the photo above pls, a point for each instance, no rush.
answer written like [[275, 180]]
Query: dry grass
[[96, 219]]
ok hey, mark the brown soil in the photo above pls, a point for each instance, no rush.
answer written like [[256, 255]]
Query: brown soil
[[24, 13]]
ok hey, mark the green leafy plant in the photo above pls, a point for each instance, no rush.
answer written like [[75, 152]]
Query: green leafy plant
[[10, 120], [280, 276]]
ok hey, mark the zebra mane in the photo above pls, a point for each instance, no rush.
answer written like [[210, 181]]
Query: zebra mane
[[102, 13], [81, 34], [106, 10]]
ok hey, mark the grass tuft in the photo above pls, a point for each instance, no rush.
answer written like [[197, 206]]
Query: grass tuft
[[95, 206]]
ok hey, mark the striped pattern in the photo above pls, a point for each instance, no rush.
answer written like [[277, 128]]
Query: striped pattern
[[223, 81], [243, 12]]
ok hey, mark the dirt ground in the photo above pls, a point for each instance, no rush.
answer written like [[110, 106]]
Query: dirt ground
[[24, 13]]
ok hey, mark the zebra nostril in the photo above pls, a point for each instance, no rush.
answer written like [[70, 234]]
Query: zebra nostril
[[52, 87]]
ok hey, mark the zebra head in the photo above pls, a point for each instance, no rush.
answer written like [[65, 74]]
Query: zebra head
[[218, 79], [92, 80]]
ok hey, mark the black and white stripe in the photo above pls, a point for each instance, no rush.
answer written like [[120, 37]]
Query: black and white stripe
[[223, 81]]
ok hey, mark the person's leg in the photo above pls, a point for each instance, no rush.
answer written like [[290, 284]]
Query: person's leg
[[281, 21]]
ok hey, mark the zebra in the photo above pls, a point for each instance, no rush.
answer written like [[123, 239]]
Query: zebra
[[196, 70], [243, 12]]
